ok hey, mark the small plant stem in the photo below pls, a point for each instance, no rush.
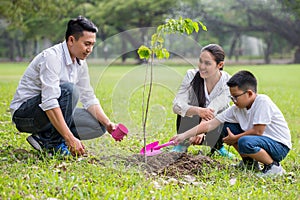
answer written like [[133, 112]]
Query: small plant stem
[[145, 116]]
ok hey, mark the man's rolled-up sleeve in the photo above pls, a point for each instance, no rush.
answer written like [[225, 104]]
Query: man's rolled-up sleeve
[[49, 75]]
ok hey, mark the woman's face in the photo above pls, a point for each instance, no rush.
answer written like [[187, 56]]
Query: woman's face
[[208, 67]]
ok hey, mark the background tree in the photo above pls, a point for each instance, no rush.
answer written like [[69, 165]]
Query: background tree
[[115, 16], [25, 23], [32, 20], [268, 20]]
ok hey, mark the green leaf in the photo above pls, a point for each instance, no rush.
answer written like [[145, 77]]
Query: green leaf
[[181, 25], [160, 39], [203, 26], [196, 27], [153, 39], [165, 53], [158, 53], [144, 52]]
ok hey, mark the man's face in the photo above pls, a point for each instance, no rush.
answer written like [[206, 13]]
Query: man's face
[[82, 47]]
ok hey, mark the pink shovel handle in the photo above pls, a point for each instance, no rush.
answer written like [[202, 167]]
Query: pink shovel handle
[[163, 145]]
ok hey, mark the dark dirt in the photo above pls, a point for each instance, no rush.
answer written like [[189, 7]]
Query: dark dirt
[[170, 164]]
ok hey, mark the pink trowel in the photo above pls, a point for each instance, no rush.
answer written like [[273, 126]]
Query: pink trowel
[[154, 149]]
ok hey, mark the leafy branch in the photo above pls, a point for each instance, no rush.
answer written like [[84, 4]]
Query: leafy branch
[[157, 50]]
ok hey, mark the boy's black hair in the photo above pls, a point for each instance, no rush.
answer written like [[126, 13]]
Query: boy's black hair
[[76, 26], [244, 80]]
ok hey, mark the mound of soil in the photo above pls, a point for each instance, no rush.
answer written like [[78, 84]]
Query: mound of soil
[[170, 164]]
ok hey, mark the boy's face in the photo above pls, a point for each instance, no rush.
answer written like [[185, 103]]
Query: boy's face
[[242, 99]]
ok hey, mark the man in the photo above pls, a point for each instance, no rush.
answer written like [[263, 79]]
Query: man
[[46, 98]]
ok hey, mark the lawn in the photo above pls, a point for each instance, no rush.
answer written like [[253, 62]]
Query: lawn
[[26, 174]]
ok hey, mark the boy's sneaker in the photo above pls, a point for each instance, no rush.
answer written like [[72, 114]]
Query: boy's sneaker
[[179, 149], [62, 149], [34, 141], [223, 152], [273, 169], [249, 166]]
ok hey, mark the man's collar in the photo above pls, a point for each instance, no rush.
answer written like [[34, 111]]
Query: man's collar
[[68, 56]]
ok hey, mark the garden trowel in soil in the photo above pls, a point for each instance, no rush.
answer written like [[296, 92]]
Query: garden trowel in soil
[[154, 149]]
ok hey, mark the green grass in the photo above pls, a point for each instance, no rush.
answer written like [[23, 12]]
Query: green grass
[[27, 175]]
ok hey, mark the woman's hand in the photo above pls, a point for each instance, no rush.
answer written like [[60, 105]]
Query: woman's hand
[[198, 139], [178, 138], [206, 113]]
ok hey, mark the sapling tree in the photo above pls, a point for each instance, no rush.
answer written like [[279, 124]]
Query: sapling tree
[[157, 50]]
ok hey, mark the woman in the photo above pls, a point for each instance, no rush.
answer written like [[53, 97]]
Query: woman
[[203, 94]]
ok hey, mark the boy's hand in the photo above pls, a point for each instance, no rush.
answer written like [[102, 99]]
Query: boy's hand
[[231, 138]]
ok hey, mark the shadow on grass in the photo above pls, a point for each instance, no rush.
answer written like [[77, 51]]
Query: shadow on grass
[[11, 154]]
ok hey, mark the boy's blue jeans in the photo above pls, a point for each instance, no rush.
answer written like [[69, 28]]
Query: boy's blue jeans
[[31, 118], [252, 144]]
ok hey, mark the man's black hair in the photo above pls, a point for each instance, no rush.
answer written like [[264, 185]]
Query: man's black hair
[[76, 26], [244, 80]]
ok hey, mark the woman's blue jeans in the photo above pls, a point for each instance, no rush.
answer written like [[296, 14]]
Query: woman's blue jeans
[[252, 144], [31, 118]]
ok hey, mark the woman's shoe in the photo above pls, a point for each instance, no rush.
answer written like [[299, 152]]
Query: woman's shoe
[[223, 152], [180, 149]]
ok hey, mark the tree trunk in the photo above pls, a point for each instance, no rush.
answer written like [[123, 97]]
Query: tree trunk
[[24, 48], [297, 56], [35, 47], [268, 50], [124, 50], [236, 37], [134, 42], [9, 42]]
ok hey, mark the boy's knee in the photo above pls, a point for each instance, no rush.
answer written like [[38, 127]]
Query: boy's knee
[[245, 145]]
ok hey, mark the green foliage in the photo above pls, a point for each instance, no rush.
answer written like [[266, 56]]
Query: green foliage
[[172, 26], [121, 15], [292, 6], [144, 52]]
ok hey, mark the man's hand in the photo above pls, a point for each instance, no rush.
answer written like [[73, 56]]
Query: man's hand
[[110, 127], [76, 147], [231, 139]]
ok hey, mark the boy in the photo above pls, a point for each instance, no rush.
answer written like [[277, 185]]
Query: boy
[[255, 126]]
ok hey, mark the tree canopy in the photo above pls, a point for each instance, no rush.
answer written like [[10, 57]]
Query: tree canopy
[[25, 22]]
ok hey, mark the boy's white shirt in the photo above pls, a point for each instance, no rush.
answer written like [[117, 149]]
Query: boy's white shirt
[[262, 111], [218, 99]]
